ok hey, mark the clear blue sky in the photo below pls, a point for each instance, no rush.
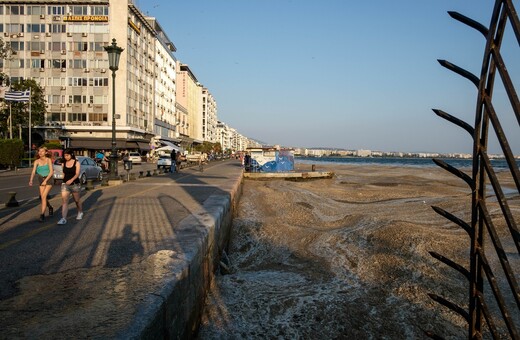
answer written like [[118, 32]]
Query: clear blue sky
[[338, 73]]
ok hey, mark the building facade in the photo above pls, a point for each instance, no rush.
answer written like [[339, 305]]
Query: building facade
[[60, 44]]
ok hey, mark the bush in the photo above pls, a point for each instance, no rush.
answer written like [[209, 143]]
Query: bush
[[11, 151]]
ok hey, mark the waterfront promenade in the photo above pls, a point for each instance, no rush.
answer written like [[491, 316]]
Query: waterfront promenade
[[135, 266]]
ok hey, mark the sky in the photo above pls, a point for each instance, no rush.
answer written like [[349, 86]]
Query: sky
[[340, 74]]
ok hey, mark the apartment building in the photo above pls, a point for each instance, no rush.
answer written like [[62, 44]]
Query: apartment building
[[189, 97], [61, 44], [209, 117]]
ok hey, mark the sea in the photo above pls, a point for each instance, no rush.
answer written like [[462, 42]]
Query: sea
[[459, 163]]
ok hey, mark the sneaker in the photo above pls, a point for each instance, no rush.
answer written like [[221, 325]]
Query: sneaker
[[62, 221], [80, 216]]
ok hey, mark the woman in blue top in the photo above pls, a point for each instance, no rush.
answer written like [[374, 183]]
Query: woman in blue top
[[70, 185], [43, 170]]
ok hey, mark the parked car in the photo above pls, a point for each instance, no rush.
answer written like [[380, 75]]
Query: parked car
[[164, 161], [135, 157], [88, 169]]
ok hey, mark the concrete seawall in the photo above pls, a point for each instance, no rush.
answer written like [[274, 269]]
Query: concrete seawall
[[174, 310]]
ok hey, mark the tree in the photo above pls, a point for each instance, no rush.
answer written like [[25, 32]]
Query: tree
[[11, 151]]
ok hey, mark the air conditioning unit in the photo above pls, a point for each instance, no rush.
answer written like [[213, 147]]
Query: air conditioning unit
[[42, 16], [36, 36], [56, 18], [20, 34], [83, 34], [89, 105], [62, 105], [47, 34], [103, 70], [6, 34], [63, 70], [42, 69], [68, 104], [86, 70], [42, 51], [69, 34], [63, 52], [63, 88]]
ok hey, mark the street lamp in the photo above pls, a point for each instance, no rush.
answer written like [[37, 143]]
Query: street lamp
[[114, 52]]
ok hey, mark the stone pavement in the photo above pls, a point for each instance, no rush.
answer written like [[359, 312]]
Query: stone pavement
[[137, 265]]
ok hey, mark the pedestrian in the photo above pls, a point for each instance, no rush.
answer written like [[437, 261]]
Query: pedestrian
[[173, 165], [43, 170], [70, 185]]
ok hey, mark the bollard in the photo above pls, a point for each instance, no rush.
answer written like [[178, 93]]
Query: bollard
[[12, 200], [313, 167], [90, 184], [148, 173], [141, 174]]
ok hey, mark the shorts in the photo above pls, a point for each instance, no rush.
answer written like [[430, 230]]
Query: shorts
[[42, 178], [75, 187]]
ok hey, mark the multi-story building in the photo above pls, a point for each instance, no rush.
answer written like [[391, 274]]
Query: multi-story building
[[209, 117], [61, 44], [224, 136], [189, 96]]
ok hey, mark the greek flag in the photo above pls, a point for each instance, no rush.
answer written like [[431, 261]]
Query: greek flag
[[18, 96]]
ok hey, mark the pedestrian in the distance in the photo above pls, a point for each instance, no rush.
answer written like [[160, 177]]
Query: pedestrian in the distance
[[173, 165], [70, 185], [43, 170]]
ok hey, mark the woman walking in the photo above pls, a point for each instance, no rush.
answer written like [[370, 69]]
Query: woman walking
[[70, 185], [43, 170]]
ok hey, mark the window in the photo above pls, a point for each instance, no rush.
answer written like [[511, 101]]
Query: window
[[35, 28], [57, 28], [14, 28], [57, 116], [56, 10], [77, 117], [14, 10], [35, 10], [57, 46], [79, 10], [77, 99], [99, 10], [78, 63], [59, 63], [37, 63], [36, 45], [17, 45], [79, 46], [77, 81], [98, 117], [98, 81]]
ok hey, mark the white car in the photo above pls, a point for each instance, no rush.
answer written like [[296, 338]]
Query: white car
[[135, 157], [164, 161]]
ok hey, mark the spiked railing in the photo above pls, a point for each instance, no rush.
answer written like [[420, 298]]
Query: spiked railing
[[482, 276]]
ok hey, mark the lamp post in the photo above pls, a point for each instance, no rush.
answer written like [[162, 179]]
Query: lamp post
[[114, 52]]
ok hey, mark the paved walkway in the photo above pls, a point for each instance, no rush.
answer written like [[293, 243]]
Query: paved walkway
[[93, 277]]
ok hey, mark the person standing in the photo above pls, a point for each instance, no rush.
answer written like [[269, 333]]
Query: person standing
[[70, 185], [42, 168], [173, 166]]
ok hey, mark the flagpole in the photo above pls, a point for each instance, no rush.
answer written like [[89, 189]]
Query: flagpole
[[10, 122]]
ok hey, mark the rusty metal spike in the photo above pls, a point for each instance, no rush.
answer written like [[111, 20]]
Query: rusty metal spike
[[466, 74], [455, 171], [453, 218], [455, 121], [451, 264], [454, 307], [470, 22]]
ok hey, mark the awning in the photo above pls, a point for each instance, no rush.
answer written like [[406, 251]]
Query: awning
[[144, 146], [95, 143]]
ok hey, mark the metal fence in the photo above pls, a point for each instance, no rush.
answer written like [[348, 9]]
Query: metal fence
[[493, 308]]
